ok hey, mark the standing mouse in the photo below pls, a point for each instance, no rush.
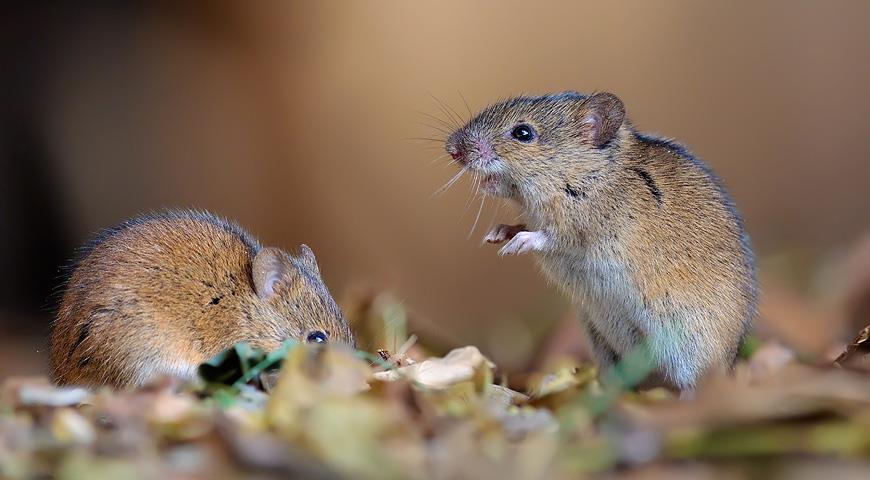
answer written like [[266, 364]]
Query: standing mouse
[[638, 232], [160, 294]]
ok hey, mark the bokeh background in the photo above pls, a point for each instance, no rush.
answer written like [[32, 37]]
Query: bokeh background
[[297, 119]]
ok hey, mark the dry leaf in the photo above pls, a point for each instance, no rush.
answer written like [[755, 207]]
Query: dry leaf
[[459, 365], [856, 353]]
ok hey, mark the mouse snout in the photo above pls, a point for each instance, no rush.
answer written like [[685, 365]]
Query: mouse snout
[[455, 150], [457, 155]]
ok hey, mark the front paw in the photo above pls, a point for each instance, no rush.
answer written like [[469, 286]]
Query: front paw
[[501, 232], [524, 242]]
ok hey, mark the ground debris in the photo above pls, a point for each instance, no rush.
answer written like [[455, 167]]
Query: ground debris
[[857, 353], [332, 412]]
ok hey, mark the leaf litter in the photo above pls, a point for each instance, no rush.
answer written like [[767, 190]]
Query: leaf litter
[[330, 412]]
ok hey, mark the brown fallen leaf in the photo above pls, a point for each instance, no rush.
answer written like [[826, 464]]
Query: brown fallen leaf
[[856, 353], [459, 365], [51, 396], [266, 452], [69, 426], [769, 359]]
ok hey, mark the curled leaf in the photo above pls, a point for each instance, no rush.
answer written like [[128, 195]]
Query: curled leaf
[[458, 366]]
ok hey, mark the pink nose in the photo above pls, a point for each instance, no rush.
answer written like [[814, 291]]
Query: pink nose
[[455, 152]]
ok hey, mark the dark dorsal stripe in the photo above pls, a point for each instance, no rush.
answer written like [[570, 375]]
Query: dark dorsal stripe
[[650, 183], [574, 192], [84, 331]]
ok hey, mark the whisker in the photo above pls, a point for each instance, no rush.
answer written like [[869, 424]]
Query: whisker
[[434, 117], [447, 122], [467, 202], [437, 119], [473, 195], [435, 128], [466, 104], [446, 112], [432, 148], [477, 185], [449, 183], [422, 139], [439, 157], [455, 113], [492, 222], [473, 227]]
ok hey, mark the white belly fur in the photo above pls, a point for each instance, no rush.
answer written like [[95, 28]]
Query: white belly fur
[[604, 293]]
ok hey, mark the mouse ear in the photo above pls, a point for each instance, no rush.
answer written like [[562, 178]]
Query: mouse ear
[[270, 267], [306, 256], [601, 115]]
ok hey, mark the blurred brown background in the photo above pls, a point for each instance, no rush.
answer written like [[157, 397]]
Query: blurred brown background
[[293, 118]]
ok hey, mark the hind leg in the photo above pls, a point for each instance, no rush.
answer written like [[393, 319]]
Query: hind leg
[[120, 352], [681, 358], [603, 354]]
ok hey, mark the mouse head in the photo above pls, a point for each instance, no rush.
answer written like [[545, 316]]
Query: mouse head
[[293, 302], [520, 146]]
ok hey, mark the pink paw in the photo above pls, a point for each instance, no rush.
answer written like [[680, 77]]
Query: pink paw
[[501, 232], [524, 242]]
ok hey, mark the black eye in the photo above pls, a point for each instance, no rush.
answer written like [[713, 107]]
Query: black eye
[[316, 337], [523, 133]]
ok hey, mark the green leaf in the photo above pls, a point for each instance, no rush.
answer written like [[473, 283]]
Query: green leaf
[[241, 364]]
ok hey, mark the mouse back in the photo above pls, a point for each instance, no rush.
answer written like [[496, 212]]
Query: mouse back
[[164, 292]]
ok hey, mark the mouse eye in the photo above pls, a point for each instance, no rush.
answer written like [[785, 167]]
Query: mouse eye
[[316, 337], [523, 133]]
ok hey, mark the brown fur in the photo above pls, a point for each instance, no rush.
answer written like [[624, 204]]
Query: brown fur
[[640, 233], [161, 294]]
